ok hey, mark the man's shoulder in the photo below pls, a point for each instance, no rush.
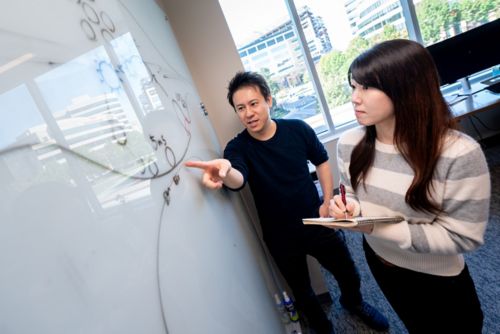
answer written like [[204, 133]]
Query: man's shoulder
[[295, 127], [239, 138], [293, 123]]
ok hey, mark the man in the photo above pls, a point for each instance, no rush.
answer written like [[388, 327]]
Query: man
[[271, 155]]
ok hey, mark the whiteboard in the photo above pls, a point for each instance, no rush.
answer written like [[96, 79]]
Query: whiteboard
[[102, 229]]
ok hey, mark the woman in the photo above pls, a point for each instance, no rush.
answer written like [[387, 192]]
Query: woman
[[408, 160]]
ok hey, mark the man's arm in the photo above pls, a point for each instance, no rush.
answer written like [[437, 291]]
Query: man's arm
[[218, 172], [326, 181]]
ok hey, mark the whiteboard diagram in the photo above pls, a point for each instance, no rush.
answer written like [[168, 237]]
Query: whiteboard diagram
[[102, 229]]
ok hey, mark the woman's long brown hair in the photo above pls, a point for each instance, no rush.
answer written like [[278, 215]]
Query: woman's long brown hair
[[405, 72]]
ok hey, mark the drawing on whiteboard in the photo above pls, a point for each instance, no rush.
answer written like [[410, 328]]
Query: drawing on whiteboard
[[143, 78], [93, 21], [103, 229], [113, 123], [109, 75], [172, 69]]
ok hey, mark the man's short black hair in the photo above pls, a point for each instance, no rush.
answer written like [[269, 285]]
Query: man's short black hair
[[243, 79]]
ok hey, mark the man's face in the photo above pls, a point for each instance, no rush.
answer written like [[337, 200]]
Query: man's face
[[253, 110]]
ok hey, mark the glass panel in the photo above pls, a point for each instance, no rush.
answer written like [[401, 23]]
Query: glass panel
[[270, 46], [441, 19], [92, 115], [338, 31]]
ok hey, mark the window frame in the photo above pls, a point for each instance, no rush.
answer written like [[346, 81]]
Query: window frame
[[332, 131], [414, 33]]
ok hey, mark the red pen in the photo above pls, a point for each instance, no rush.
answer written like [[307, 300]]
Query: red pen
[[342, 195]]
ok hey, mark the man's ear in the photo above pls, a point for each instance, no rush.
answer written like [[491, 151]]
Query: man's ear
[[269, 101]]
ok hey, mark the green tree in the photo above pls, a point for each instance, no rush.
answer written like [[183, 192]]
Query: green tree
[[333, 69], [276, 110], [332, 75], [355, 48], [475, 12], [273, 85], [438, 17], [433, 17], [390, 32]]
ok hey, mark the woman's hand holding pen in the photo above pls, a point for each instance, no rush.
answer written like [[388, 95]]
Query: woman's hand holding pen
[[340, 207], [340, 210]]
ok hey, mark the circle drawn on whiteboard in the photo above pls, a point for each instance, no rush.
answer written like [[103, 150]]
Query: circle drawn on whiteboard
[[90, 13], [170, 156], [94, 21], [108, 75], [88, 30], [107, 22]]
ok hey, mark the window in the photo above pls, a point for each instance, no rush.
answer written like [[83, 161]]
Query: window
[[439, 20], [327, 35]]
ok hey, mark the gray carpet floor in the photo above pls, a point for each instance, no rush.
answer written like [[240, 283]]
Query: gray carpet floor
[[484, 265]]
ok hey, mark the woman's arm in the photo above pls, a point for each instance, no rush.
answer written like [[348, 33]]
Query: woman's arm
[[464, 196]]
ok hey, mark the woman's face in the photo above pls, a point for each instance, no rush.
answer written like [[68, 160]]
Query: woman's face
[[372, 106]]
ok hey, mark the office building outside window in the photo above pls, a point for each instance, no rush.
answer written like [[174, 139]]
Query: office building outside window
[[304, 47]]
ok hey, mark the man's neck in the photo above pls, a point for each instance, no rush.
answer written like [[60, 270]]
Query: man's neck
[[267, 131]]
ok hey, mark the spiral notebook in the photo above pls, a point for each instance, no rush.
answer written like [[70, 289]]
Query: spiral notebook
[[351, 222]]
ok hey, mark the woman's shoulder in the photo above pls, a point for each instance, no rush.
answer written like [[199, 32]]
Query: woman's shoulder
[[352, 136], [458, 144]]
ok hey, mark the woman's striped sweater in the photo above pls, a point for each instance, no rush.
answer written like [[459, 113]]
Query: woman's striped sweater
[[424, 242]]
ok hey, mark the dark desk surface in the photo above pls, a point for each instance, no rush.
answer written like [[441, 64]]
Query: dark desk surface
[[483, 100]]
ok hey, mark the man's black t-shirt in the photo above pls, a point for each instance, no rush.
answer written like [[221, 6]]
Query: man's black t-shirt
[[278, 175]]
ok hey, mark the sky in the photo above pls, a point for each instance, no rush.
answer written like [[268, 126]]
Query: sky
[[248, 20]]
